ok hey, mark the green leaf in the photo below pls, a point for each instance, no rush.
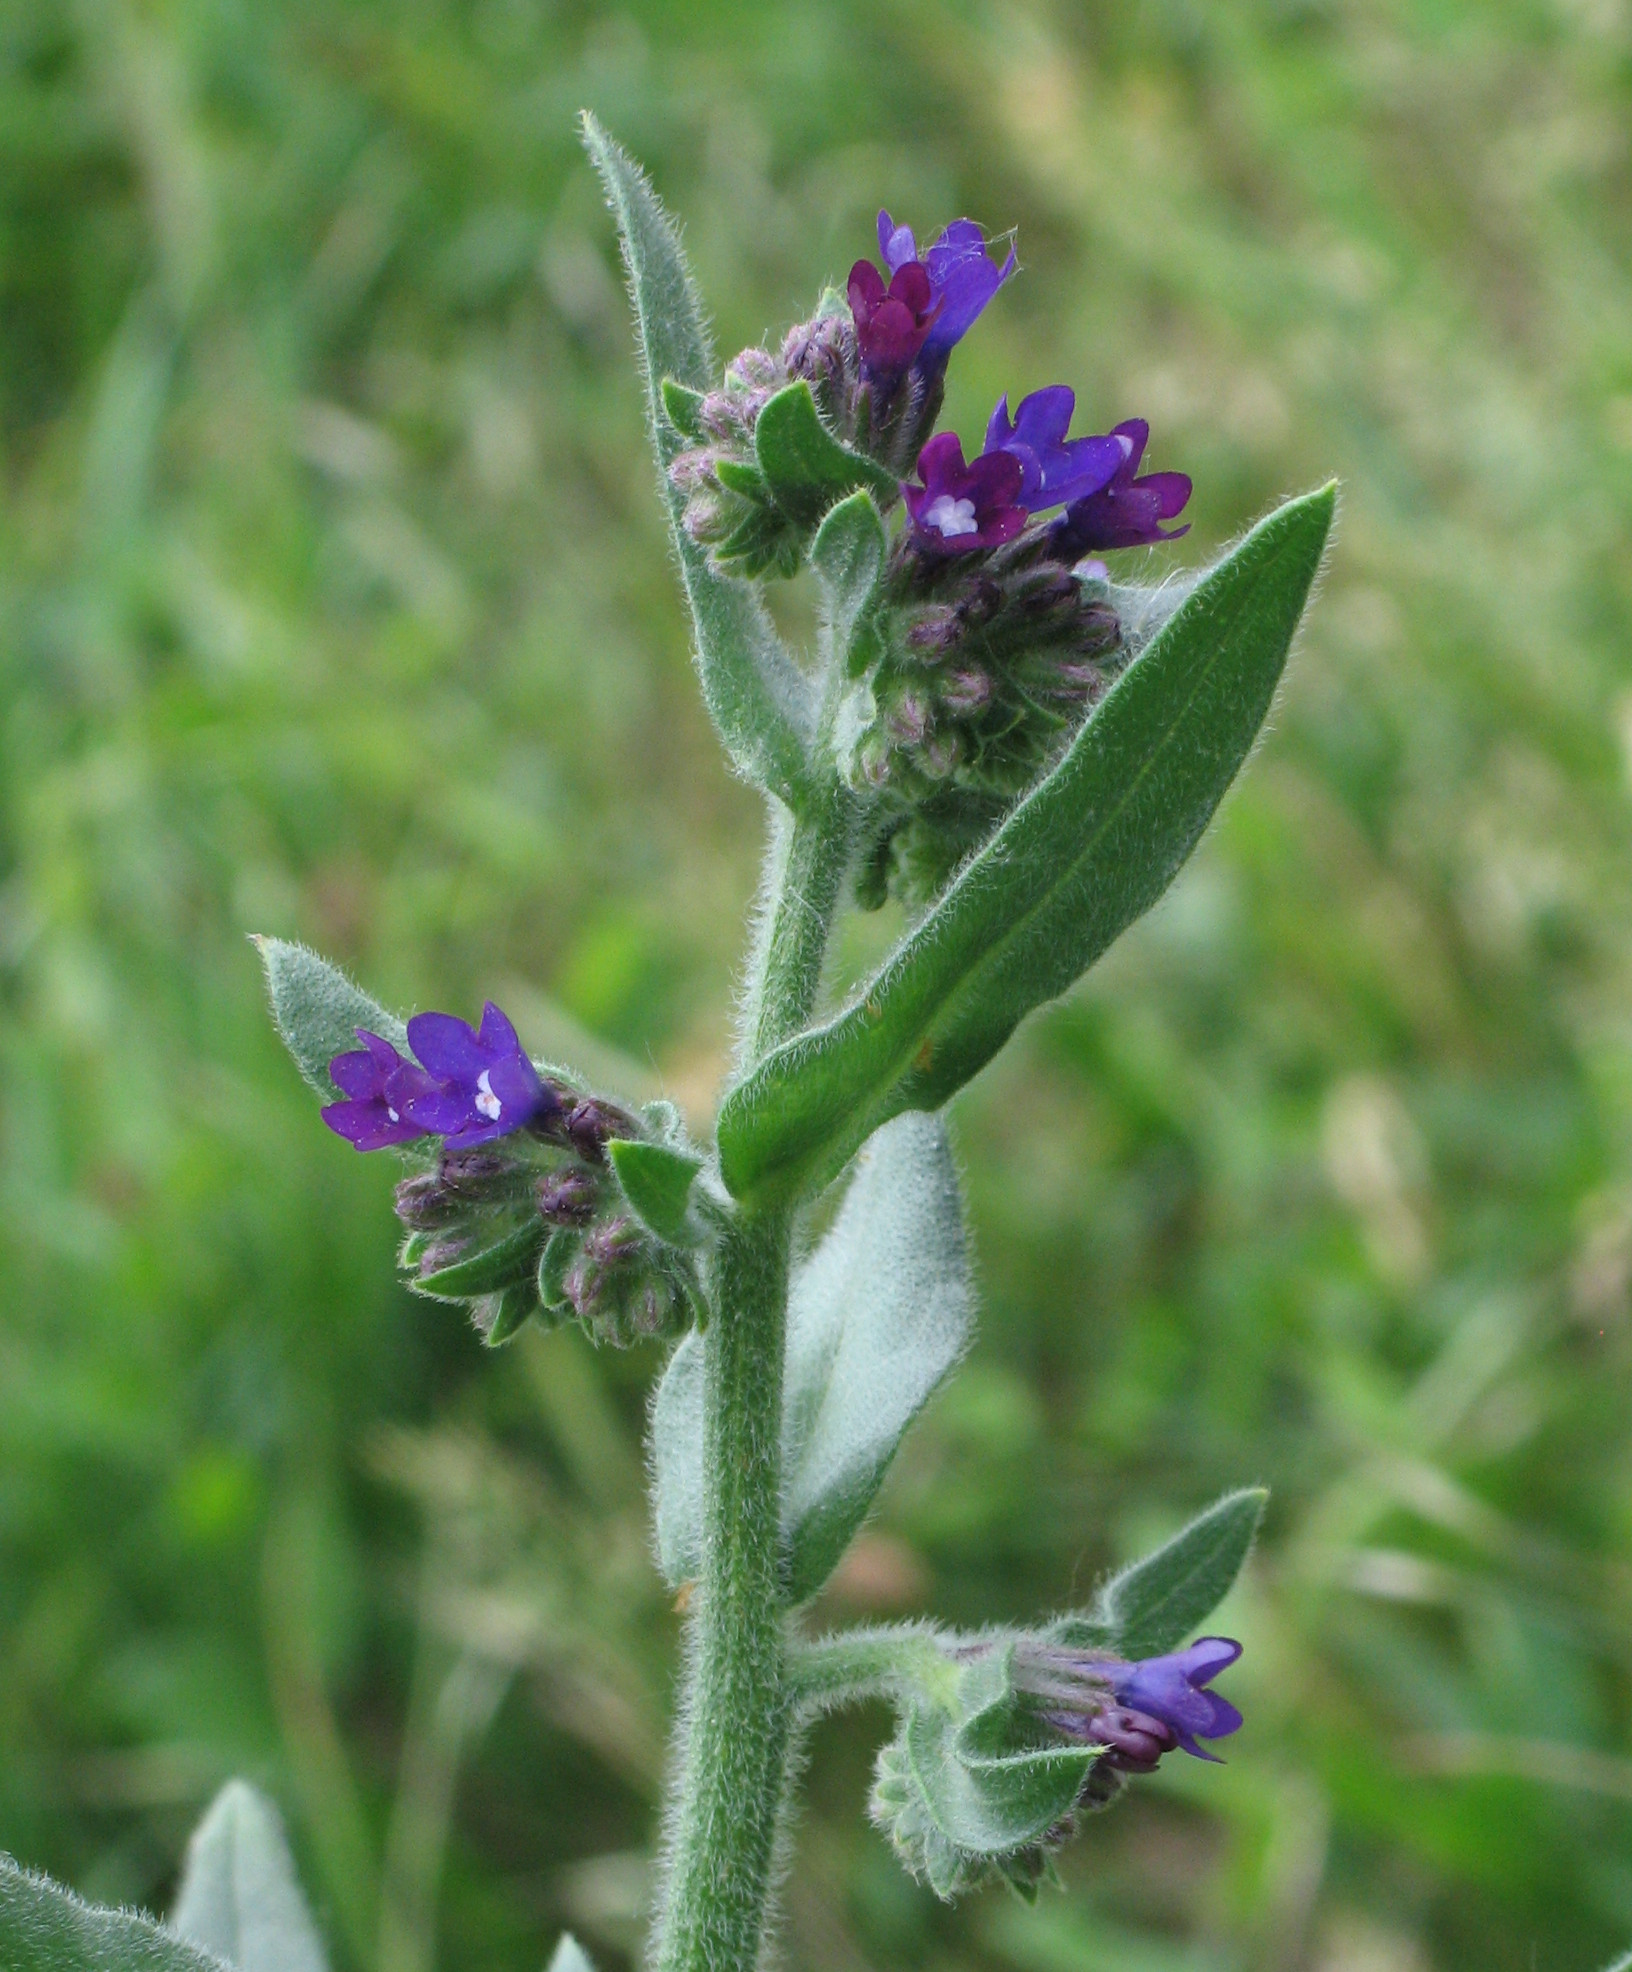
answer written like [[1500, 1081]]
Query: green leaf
[[44, 1928], [1084, 854], [966, 1792], [805, 466], [754, 691], [499, 1317], [677, 1463], [657, 1181], [496, 1267], [878, 1315], [318, 1011], [682, 406], [239, 1894], [986, 1792], [560, 1250], [570, 1956], [1153, 1606], [848, 557]]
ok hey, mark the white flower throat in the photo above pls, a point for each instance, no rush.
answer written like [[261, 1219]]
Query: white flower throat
[[950, 517], [486, 1101]]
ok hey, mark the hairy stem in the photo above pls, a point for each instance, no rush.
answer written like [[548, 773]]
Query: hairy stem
[[740, 1703], [804, 868], [897, 1662]]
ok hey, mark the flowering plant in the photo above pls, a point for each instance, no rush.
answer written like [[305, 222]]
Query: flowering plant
[[1023, 748]]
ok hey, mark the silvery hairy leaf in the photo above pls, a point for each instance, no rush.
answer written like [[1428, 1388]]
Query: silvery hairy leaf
[[239, 1895], [759, 702], [45, 1928], [1090, 848], [877, 1316], [318, 1010]]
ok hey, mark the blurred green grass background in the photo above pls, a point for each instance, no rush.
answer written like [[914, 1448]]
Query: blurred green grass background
[[335, 603]]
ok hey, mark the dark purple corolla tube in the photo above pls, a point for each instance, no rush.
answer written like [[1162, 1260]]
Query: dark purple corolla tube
[[891, 323]]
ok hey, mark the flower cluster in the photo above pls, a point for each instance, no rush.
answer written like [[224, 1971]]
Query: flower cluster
[[988, 1775], [534, 1226], [996, 634]]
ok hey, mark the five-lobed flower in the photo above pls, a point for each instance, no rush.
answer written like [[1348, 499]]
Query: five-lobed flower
[[468, 1086]]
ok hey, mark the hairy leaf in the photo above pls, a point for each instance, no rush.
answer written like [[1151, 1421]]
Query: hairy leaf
[[44, 1928], [965, 1791], [1084, 854], [657, 1181], [805, 466], [490, 1270], [239, 1895], [318, 1010], [677, 1464], [848, 557], [753, 689], [877, 1317], [1154, 1605]]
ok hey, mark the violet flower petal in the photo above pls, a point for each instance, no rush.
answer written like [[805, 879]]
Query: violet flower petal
[[447, 1046]]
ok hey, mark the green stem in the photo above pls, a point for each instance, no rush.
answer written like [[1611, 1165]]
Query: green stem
[[804, 869], [893, 1662], [740, 1705]]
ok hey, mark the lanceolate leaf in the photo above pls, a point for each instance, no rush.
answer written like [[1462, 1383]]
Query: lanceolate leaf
[[44, 1928], [239, 1895], [753, 689], [985, 1788], [1090, 849], [878, 1316], [1156, 1604], [318, 1010]]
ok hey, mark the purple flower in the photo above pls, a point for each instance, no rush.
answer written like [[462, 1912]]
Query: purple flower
[[1128, 512], [963, 277], [891, 323], [1138, 1711], [1057, 469], [960, 508], [484, 1085], [378, 1086]]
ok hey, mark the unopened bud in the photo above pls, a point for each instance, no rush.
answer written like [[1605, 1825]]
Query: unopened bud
[[966, 691], [567, 1198]]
